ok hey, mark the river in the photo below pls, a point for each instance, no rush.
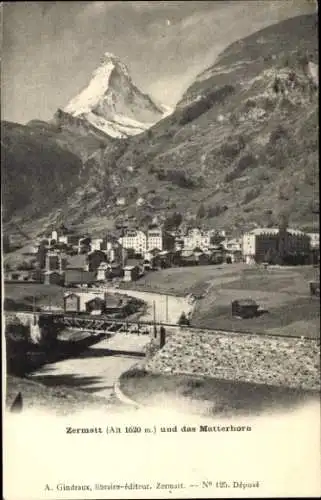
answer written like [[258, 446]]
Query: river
[[95, 370]]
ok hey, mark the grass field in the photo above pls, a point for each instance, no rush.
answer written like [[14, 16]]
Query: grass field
[[45, 295], [208, 396], [283, 292], [183, 280]]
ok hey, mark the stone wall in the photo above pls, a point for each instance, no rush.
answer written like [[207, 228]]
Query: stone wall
[[260, 359], [28, 325]]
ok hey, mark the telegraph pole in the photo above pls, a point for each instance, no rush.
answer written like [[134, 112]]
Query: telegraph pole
[[167, 309], [154, 318], [34, 309]]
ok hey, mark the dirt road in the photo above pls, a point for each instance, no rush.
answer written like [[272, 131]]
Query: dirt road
[[168, 308]]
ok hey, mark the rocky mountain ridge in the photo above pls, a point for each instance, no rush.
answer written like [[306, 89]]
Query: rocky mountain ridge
[[112, 103]]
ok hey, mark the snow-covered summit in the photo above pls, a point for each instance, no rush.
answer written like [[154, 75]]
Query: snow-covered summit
[[112, 103]]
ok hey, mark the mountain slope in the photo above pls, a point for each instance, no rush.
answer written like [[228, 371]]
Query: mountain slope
[[112, 103], [242, 145], [35, 176], [240, 149]]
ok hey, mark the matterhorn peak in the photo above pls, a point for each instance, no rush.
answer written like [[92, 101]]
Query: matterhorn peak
[[112, 103]]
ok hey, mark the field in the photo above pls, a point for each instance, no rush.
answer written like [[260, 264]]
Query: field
[[281, 292], [44, 295], [208, 396], [183, 280]]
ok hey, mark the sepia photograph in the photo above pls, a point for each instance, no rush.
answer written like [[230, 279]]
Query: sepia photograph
[[160, 248]]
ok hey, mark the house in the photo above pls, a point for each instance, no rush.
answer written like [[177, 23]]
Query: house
[[72, 303], [96, 244], [115, 304], [121, 201], [30, 276], [188, 260], [139, 263], [95, 258], [131, 273], [197, 238], [53, 278], [78, 262], [155, 238], [30, 250], [203, 259], [115, 270], [314, 240], [75, 277], [244, 308], [232, 245], [96, 306], [55, 261], [103, 271]]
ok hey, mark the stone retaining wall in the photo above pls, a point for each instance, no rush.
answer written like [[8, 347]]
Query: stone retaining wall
[[284, 362]]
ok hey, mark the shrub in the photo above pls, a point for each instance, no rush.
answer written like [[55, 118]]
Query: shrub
[[180, 178], [199, 107], [251, 195], [244, 162], [216, 210], [278, 133], [183, 320]]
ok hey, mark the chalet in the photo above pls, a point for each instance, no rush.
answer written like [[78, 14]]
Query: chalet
[[95, 258], [53, 278], [203, 259], [114, 304], [131, 273], [103, 271], [244, 308], [77, 262], [189, 260], [139, 263], [30, 250], [30, 276], [96, 306], [115, 270], [72, 303]]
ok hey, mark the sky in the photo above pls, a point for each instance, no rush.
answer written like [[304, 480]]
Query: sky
[[50, 49]]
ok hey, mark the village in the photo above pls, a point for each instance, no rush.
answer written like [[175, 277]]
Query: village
[[69, 259]]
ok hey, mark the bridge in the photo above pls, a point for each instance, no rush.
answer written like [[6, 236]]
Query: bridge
[[101, 323]]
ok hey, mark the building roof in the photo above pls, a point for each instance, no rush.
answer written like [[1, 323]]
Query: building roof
[[78, 276], [71, 295], [77, 262], [103, 265], [96, 300], [134, 262], [273, 230], [245, 302]]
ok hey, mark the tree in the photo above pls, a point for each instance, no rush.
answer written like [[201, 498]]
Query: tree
[[41, 255], [201, 211], [173, 221], [183, 320]]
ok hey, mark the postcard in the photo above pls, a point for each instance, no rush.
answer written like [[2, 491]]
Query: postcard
[[160, 249]]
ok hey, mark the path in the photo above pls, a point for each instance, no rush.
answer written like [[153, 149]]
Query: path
[[168, 308], [94, 370]]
